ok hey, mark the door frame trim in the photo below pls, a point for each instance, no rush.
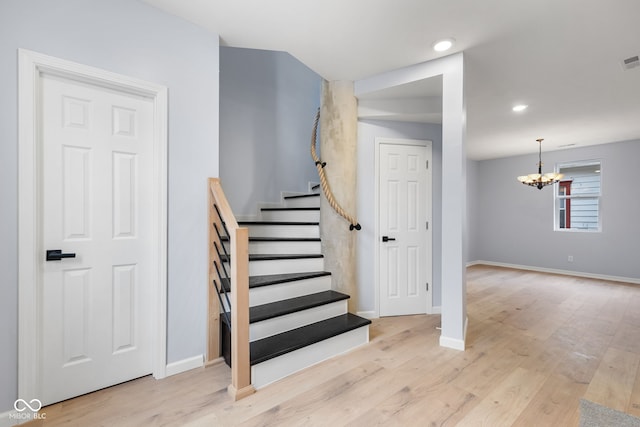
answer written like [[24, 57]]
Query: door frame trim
[[31, 65], [377, 235]]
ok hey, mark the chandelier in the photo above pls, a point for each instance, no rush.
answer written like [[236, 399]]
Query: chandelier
[[538, 179]]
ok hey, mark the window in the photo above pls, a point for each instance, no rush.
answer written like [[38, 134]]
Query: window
[[577, 201]]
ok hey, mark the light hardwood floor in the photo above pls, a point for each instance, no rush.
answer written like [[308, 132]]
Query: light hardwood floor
[[536, 344]]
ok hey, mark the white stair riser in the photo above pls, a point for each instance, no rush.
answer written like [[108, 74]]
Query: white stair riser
[[293, 216], [303, 202], [283, 266], [280, 324], [277, 368], [271, 230], [280, 291], [280, 247]]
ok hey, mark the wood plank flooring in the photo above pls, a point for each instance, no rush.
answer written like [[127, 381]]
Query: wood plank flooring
[[536, 344]]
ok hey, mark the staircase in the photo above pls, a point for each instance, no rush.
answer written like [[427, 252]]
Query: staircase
[[296, 320]]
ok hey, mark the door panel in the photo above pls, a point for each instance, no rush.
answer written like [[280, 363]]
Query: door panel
[[404, 209], [96, 152]]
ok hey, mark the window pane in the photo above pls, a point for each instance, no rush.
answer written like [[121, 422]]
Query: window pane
[[584, 179], [578, 197], [584, 213]]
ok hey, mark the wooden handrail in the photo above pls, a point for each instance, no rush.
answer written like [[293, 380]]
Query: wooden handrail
[[239, 237]]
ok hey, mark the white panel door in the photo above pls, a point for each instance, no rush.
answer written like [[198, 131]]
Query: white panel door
[[96, 151], [405, 247]]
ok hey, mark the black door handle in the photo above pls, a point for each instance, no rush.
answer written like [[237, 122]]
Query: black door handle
[[387, 238], [57, 255]]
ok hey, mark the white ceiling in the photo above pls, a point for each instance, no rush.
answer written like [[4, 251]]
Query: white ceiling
[[561, 57]]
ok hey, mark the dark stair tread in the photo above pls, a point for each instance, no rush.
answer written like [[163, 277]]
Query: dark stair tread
[[302, 195], [290, 209], [274, 279], [277, 223], [270, 257], [292, 305], [277, 239], [295, 339]]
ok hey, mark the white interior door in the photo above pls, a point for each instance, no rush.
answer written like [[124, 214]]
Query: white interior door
[[96, 151], [404, 213]]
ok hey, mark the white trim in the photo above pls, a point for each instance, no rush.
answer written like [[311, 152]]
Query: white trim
[[13, 417], [633, 280], [269, 371], [376, 194], [436, 309], [556, 197], [371, 314], [284, 194], [312, 184], [472, 263], [184, 365], [258, 213], [247, 218], [5, 421], [455, 343], [31, 66]]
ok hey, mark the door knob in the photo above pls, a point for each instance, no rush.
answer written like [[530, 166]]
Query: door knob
[[387, 238], [57, 255]]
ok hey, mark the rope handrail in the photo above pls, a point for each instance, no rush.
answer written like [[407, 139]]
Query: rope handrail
[[354, 224]]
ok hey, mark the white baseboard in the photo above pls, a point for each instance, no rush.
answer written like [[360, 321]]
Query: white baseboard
[[185, 365], [14, 418], [557, 271], [241, 218], [11, 418], [284, 194], [437, 309], [5, 420], [368, 314], [312, 184], [372, 314], [455, 343]]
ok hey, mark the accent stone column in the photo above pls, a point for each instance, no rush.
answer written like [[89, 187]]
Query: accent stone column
[[338, 148]]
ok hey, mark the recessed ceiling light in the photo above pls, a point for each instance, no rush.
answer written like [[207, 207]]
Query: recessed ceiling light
[[442, 45], [520, 107]]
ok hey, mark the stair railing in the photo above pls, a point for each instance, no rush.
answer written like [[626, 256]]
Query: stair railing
[[353, 222], [222, 226]]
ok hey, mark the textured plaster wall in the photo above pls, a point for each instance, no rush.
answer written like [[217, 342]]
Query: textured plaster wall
[[338, 142]]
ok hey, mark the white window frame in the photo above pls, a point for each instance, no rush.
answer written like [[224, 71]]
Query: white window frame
[[557, 198]]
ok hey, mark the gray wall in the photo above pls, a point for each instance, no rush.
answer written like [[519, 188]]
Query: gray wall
[[473, 202], [268, 101], [132, 38], [515, 222], [368, 131]]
